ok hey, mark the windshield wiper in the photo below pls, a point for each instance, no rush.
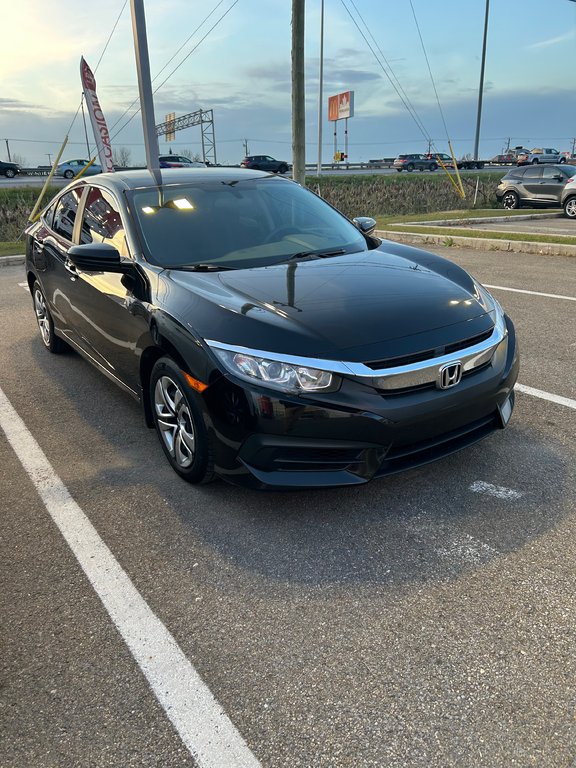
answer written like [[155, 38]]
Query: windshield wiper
[[198, 267], [302, 255]]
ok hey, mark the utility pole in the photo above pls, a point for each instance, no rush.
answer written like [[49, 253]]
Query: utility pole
[[145, 88], [298, 115], [246, 150], [320, 89], [49, 156], [8, 150], [481, 89]]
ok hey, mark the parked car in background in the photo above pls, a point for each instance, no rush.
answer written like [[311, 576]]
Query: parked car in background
[[179, 161], [568, 199], [545, 155], [9, 169], [534, 185], [264, 163], [72, 168], [414, 162], [441, 156], [270, 340]]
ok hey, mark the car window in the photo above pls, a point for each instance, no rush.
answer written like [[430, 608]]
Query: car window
[[532, 172], [102, 222], [550, 172], [65, 213], [48, 215], [252, 222]]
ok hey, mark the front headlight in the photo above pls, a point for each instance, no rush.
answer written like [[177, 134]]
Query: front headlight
[[287, 375]]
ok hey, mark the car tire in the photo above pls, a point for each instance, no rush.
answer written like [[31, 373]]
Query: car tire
[[570, 207], [399, 170], [535, 161], [282, 169], [10, 173], [433, 167], [52, 342], [562, 160], [510, 200], [178, 415], [409, 167], [68, 174]]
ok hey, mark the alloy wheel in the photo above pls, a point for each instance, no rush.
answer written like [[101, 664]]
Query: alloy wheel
[[42, 317], [570, 208], [175, 421], [510, 201]]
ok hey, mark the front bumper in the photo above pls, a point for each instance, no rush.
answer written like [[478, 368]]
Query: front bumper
[[265, 439]]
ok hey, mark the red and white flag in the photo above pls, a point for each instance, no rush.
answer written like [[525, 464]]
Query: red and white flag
[[97, 119]]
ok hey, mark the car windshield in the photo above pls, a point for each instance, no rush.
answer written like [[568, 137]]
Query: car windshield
[[238, 223]]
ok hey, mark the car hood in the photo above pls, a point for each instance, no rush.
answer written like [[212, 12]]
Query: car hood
[[357, 307]]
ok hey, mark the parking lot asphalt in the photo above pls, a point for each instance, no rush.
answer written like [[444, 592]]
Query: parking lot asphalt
[[423, 620]]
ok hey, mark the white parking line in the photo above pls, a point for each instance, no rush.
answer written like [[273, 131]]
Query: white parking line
[[200, 721], [532, 293], [558, 399]]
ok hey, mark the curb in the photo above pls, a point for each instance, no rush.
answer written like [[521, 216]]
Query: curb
[[480, 244], [11, 261]]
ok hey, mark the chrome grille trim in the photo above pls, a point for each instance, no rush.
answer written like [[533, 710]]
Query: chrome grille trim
[[400, 377]]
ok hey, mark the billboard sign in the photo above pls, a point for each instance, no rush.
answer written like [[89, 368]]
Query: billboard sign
[[341, 106], [97, 119]]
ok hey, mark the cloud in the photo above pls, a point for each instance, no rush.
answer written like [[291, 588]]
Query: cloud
[[552, 41]]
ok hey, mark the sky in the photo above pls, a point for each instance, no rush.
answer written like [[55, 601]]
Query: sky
[[241, 70]]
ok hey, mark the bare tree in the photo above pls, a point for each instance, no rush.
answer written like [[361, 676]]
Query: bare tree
[[190, 155], [122, 157], [20, 160]]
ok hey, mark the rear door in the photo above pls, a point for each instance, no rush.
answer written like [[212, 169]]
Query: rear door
[[52, 240], [531, 182]]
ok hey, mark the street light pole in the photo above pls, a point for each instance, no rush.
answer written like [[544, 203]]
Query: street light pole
[[319, 165], [481, 89]]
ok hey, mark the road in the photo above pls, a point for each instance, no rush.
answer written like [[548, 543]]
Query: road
[[424, 620], [38, 181]]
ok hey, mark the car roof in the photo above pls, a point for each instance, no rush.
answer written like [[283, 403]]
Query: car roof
[[121, 181]]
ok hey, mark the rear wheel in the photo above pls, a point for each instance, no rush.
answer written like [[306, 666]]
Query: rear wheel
[[570, 207], [510, 201], [179, 419], [535, 161], [45, 324]]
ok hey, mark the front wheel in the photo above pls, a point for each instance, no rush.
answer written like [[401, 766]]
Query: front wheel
[[510, 201], [45, 323], [179, 419], [10, 173], [410, 167], [68, 174], [282, 169], [570, 207], [562, 160], [433, 167]]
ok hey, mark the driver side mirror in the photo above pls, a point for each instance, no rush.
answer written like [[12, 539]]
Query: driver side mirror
[[365, 224], [97, 257]]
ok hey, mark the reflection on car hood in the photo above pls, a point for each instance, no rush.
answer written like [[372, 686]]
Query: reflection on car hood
[[356, 307]]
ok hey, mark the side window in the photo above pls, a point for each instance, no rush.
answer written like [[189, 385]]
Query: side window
[[533, 172], [49, 215], [65, 213], [550, 172], [102, 222]]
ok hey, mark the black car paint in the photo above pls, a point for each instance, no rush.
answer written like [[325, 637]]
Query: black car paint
[[332, 438]]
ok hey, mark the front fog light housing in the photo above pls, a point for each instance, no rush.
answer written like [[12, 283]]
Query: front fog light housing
[[287, 376]]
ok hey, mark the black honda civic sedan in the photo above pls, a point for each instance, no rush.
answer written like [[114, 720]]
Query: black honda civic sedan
[[271, 341]]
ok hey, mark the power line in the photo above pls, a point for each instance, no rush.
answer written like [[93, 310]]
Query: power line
[[176, 68], [398, 89]]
